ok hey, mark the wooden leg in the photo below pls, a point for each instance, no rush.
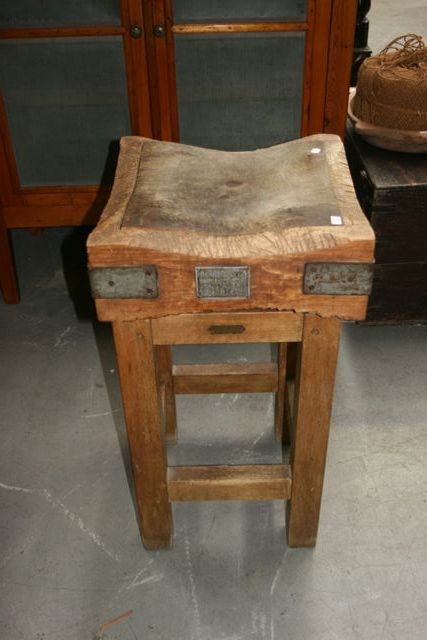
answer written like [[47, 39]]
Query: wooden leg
[[164, 371], [281, 427], [291, 358], [8, 280], [141, 402], [313, 403]]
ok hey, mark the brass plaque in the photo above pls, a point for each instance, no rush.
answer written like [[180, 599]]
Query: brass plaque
[[124, 282], [222, 282]]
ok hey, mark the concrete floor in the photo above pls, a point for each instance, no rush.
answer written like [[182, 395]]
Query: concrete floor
[[392, 18], [70, 553], [71, 556]]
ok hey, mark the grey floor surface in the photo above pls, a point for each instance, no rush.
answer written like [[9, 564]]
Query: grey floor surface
[[392, 18], [70, 553]]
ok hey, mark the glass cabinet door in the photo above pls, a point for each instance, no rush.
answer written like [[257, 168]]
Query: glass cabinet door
[[66, 104], [239, 91], [239, 71], [54, 13], [239, 10], [64, 87]]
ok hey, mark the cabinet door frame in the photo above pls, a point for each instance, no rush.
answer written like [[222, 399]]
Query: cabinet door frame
[[150, 70], [329, 29], [151, 85], [75, 204]]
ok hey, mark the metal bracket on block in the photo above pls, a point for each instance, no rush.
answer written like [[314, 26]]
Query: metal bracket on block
[[338, 278], [124, 282]]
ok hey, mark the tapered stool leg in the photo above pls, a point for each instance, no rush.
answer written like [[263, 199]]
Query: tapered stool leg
[[316, 366], [164, 371], [141, 402]]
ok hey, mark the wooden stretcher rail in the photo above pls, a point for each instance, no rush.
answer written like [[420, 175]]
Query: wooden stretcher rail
[[247, 482], [225, 378], [215, 328]]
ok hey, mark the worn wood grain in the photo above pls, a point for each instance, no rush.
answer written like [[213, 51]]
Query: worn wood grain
[[289, 410], [225, 378], [344, 307], [218, 328], [303, 240], [313, 404], [141, 403], [221, 193], [164, 371], [279, 408], [276, 255], [250, 482]]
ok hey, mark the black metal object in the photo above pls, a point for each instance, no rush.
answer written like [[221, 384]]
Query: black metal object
[[361, 48]]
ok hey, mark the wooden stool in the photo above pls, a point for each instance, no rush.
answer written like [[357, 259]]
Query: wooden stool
[[200, 247]]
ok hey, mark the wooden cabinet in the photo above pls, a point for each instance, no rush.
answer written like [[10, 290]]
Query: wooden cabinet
[[392, 191], [75, 77]]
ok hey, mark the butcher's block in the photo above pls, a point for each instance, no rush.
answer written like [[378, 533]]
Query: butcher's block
[[192, 230]]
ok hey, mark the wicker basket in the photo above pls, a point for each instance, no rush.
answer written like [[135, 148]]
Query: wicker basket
[[402, 140], [392, 87]]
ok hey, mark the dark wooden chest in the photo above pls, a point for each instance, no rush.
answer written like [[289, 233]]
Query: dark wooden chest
[[392, 190]]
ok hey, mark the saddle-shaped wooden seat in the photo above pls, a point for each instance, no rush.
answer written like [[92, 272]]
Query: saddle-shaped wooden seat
[[286, 218], [201, 247]]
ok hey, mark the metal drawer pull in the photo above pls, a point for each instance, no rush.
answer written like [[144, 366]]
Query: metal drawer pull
[[216, 329]]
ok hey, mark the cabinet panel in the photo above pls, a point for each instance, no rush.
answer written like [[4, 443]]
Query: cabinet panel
[[67, 107], [64, 102], [201, 10], [53, 13], [239, 91]]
